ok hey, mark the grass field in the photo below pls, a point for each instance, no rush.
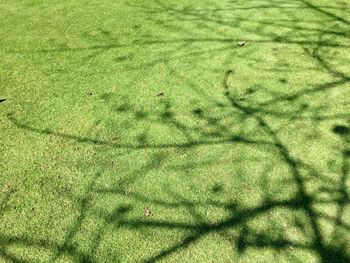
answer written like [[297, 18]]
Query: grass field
[[241, 152]]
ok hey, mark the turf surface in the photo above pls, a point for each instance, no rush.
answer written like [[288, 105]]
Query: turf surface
[[229, 120]]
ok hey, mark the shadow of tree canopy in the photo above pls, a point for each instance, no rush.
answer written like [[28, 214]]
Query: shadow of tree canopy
[[301, 203]]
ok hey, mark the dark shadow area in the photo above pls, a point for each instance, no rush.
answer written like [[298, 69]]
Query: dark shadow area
[[341, 130]]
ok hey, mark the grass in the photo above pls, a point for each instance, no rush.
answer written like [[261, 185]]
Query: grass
[[244, 158]]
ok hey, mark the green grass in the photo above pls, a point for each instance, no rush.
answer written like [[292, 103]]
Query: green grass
[[244, 158]]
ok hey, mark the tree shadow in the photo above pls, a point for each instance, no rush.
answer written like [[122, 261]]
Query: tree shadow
[[280, 125]]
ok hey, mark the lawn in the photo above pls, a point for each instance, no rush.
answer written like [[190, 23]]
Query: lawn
[[229, 120]]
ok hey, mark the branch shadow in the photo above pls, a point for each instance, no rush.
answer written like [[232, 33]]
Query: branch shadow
[[230, 127]]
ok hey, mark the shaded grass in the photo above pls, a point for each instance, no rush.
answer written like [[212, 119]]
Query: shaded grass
[[244, 156]]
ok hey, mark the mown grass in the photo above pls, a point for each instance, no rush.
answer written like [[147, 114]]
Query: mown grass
[[243, 158]]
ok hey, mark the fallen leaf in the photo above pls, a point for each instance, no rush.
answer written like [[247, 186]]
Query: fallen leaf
[[146, 212]]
